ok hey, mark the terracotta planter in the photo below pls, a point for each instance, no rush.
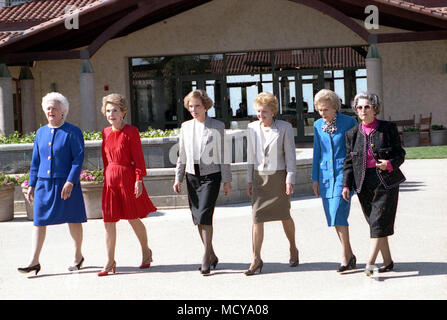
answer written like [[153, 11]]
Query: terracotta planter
[[411, 138], [92, 198], [29, 206], [438, 137], [7, 203]]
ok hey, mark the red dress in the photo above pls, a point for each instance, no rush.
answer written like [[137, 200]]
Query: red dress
[[122, 156]]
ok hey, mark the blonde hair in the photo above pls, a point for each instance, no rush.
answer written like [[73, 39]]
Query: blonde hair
[[198, 94], [326, 95], [116, 99], [267, 99], [60, 99]]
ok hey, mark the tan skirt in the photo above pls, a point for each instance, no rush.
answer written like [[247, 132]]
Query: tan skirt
[[269, 200]]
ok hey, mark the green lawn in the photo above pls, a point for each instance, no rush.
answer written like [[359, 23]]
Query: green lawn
[[429, 152]]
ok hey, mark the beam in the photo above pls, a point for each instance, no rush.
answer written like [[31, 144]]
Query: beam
[[399, 11], [133, 16], [412, 36], [13, 58], [337, 15]]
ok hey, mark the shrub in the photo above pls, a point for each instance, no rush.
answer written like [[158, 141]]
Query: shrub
[[96, 176]]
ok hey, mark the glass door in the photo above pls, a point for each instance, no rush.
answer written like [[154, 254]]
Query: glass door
[[295, 92], [214, 87]]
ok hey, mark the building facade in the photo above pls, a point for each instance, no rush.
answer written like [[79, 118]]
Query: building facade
[[233, 49]]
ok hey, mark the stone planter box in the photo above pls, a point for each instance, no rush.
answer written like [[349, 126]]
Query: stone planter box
[[158, 153], [6, 203], [28, 206], [16, 158], [411, 139], [92, 194], [438, 137]]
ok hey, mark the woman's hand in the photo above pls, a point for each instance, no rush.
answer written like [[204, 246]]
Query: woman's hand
[[138, 188], [250, 189], [30, 194], [316, 187], [382, 164], [66, 190], [177, 187], [289, 189], [227, 188], [345, 194]]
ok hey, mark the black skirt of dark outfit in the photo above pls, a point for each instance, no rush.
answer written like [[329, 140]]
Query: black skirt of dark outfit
[[379, 205], [202, 195]]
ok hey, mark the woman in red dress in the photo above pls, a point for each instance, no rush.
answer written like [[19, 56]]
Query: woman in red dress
[[124, 195]]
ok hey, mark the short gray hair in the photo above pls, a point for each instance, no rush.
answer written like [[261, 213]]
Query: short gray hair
[[372, 98], [56, 96]]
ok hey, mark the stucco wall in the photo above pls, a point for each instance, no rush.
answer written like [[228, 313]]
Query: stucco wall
[[415, 80], [414, 73]]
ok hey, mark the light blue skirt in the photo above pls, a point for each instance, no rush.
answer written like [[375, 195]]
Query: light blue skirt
[[337, 211], [50, 208]]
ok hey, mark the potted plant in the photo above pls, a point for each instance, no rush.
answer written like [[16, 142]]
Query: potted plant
[[92, 183], [7, 187], [410, 136], [23, 182], [438, 135]]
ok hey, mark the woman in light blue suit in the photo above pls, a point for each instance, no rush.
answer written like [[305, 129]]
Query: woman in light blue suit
[[327, 167]]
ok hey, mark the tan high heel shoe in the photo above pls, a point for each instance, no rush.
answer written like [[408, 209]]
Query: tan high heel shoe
[[257, 266], [147, 263]]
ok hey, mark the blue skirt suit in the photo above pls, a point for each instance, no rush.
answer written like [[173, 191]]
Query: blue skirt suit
[[327, 168], [58, 155]]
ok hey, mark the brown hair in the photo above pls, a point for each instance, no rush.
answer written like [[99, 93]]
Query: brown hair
[[199, 94], [116, 99]]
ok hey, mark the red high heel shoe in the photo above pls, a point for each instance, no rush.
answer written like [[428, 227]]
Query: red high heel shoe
[[147, 265], [106, 272]]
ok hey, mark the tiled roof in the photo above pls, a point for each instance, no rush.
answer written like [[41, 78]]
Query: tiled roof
[[39, 10], [438, 12]]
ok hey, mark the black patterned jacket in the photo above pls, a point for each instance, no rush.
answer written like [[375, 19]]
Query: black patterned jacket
[[384, 142]]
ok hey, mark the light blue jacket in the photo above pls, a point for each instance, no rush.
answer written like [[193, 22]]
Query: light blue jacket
[[329, 155], [57, 153]]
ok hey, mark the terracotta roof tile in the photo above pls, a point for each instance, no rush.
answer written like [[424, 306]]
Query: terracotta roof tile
[[39, 10], [438, 12]]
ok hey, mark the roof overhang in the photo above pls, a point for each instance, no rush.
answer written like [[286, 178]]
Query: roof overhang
[[103, 20]]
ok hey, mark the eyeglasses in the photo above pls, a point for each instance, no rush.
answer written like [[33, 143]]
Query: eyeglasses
[[367, 107]]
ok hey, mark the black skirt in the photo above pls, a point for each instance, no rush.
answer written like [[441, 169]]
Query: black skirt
[[202, 196], [379, 205]]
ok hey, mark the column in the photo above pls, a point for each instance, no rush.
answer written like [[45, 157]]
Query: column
[[88, 103], [27, 100], [6, 102], [374, 75]]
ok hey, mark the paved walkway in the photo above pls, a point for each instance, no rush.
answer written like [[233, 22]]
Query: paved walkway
[[419, 249]]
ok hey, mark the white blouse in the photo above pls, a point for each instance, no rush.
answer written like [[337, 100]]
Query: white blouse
[[197, 141]]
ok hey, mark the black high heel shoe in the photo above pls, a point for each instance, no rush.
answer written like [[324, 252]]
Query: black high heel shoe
[[29, 269], [213, 264], [352, 263], [295, 263], [77, 266], [386, 268]]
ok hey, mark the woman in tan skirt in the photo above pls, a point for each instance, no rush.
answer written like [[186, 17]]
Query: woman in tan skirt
[[271, 175]]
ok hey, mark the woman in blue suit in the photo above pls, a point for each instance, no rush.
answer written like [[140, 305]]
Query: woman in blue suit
[[54, 185], [327, 167]]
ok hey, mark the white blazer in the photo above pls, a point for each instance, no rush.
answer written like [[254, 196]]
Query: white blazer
[[212, 150], [278, 152]]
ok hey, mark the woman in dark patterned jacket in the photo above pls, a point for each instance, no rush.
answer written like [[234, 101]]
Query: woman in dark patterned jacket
[[373, 157]]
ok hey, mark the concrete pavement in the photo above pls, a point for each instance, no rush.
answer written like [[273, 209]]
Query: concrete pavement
[[419, 249]]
